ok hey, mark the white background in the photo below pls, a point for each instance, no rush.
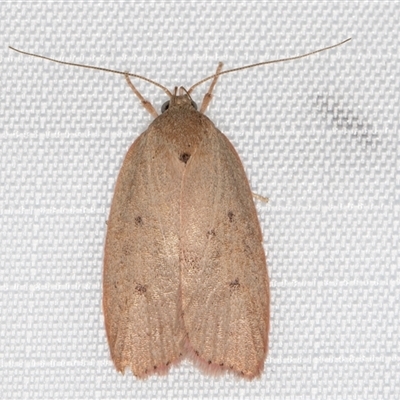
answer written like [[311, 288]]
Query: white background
[[318, 136]]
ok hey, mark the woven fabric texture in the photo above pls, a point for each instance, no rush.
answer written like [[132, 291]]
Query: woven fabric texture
[[318, 136]]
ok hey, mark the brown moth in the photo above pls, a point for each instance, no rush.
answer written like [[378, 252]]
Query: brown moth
[[184, 268]]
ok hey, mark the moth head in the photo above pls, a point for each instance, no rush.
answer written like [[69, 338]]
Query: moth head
[[182, 99]]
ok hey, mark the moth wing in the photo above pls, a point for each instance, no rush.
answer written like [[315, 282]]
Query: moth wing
[[225, 292], [141, 281]]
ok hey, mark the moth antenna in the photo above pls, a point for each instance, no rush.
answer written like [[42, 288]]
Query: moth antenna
[[114, 71], [265, 63], [183, 90]]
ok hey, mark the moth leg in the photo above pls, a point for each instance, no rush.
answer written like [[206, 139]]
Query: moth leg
[[146, 104], [208, 96], [259, 197]]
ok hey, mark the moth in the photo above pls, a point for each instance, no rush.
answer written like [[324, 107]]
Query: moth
[[185, 271]]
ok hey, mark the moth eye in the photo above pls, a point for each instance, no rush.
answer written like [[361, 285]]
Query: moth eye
[[165, 107], [194, 105]]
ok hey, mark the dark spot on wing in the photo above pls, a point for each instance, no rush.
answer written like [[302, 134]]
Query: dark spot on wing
[[211, 234], [235, 284], [231, 216], [184, 157], [142, 289], [139, 221]]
